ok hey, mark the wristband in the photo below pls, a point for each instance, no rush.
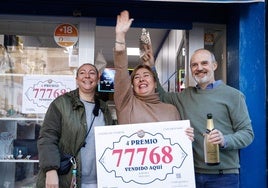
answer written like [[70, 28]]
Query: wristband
[[122, 43]]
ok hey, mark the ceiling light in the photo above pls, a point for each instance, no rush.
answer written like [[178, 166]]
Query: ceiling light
[[133, 51]]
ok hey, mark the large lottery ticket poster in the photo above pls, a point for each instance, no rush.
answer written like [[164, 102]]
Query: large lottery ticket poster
[[145, 155]]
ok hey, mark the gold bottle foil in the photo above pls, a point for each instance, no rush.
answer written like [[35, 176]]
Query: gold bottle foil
[[211, 151]]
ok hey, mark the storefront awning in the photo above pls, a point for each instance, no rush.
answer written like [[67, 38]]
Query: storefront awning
[[211, 1]]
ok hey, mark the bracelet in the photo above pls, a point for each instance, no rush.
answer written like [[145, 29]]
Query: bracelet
[[122, 43]]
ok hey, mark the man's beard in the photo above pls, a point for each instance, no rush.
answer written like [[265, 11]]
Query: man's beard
[[203, 80]]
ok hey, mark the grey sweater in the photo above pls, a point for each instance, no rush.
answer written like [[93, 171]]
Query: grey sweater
[[230, 116]]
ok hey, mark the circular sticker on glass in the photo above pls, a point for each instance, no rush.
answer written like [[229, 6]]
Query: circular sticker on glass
[[66, 35]]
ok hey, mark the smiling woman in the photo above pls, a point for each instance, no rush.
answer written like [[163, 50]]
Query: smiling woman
[[87, 78], [78, 111], [135, 98], [143, 80]]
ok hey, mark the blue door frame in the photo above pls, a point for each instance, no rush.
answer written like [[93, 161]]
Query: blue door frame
[[247, 72]]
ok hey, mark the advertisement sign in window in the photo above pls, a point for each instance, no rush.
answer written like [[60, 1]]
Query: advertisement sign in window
[[40, 91]]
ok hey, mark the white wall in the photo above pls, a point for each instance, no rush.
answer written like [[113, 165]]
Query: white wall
[[166, 61], [196, 41]]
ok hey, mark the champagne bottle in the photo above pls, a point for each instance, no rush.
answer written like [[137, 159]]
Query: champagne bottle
[[144, 40], [211, 151]]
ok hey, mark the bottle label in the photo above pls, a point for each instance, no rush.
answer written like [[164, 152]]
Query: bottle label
[[211, 152]]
